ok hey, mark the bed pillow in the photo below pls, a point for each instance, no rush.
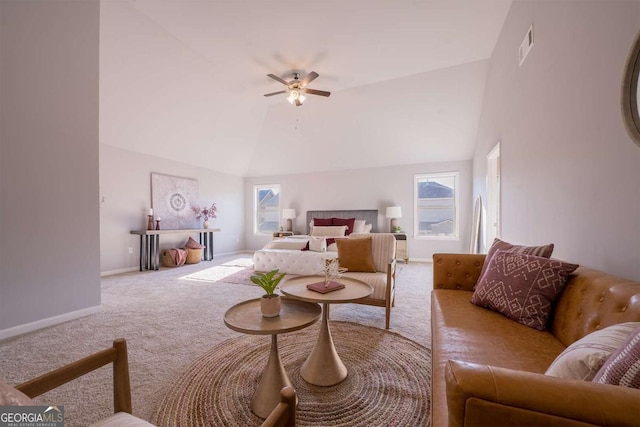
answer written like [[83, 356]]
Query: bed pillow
[[522, 287], [356, 254], [623, 367], [322, 222], [329, 231], [583, 359], [349, 222], [359, 226], [318, 244]]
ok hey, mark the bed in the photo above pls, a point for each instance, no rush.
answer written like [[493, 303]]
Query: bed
[[287, 254]]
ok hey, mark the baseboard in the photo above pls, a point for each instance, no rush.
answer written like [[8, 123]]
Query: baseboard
[[427, 260], [119, 271], [132, 269], [49, 321]]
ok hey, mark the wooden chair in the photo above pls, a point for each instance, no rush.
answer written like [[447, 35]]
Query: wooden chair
[[117, 355], [283, 415]]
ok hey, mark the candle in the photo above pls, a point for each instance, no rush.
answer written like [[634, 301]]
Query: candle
[[151, 212], [158, 219]]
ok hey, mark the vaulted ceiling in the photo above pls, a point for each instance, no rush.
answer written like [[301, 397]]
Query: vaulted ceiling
[[184, 80]]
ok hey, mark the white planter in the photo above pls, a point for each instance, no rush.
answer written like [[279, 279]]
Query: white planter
[[270, 305]]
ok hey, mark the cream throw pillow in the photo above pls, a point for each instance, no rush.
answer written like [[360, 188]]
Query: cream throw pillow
[[329, 230], [318, 244], [583, 359]]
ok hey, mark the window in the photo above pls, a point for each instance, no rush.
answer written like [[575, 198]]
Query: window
[[266, 201], [436, 205]]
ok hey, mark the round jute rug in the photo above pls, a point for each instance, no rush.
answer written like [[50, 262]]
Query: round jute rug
[[388, 382]]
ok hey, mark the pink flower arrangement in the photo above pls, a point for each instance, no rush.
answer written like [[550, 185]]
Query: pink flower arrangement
[[205, 213]]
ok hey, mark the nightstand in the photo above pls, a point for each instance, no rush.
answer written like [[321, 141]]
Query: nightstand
[[402, 246], [281, 234]]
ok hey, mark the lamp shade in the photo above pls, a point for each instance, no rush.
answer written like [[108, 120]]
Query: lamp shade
[[394, 212], [288, 213]]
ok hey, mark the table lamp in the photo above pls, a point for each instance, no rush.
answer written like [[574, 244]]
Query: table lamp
[[289, 215], [393, 212]]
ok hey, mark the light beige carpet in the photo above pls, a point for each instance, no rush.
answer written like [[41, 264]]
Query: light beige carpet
[[169, 321]]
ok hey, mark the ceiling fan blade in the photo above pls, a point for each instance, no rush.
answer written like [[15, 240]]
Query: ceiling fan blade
[[309, 78], [274, 77], [275, 93], [317, 92]]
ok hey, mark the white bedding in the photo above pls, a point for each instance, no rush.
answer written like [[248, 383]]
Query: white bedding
[[287, 256]]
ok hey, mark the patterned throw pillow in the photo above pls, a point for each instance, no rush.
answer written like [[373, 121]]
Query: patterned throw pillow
[[500, 245], [522, 287], [584, 358], [623, 367]]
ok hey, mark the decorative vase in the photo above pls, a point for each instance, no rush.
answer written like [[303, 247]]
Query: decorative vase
[[270, 305], [205, 224]]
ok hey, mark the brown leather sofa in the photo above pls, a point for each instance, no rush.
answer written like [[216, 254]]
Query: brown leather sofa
[[487, 370]]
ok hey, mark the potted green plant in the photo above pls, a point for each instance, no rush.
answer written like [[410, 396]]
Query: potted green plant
[[270, 303]]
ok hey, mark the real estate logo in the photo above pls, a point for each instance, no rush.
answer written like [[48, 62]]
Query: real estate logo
[[32, 416]]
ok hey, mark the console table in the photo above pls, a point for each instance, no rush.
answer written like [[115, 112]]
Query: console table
[[150, 244]]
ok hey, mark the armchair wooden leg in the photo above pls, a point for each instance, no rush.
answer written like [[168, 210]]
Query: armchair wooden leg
[[121, 381]]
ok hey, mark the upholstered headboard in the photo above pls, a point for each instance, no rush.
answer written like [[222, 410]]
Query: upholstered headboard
[[369, 215]]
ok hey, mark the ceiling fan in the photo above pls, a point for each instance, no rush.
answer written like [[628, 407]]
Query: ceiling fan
[[296, 88]]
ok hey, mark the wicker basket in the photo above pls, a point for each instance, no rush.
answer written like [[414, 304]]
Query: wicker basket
[[167, 259], [193, 255]]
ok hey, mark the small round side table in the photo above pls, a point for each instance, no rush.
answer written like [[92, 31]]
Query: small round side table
[[324, 367], [247, 318]]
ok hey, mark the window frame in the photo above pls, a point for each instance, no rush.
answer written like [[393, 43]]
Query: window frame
[[256, 189], [456, 205]]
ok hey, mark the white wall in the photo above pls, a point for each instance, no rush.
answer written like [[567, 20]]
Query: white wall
[[374, 188], [49, 236], [570, 173], [125, 184]]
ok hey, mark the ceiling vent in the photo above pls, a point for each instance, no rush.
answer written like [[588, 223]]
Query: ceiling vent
[[526, 45]]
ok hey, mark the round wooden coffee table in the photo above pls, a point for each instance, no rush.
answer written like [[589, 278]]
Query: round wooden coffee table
[[323, 367], [246, 318]]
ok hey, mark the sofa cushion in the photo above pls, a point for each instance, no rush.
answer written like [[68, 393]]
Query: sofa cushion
[[356, 255], [623, 367], [583, 359], [522, 287]]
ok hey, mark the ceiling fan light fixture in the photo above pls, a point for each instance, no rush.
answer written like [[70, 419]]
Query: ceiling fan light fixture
[[297, 88], [295, 95]]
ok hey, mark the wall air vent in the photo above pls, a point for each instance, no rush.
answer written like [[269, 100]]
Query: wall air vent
[[526, 45]]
